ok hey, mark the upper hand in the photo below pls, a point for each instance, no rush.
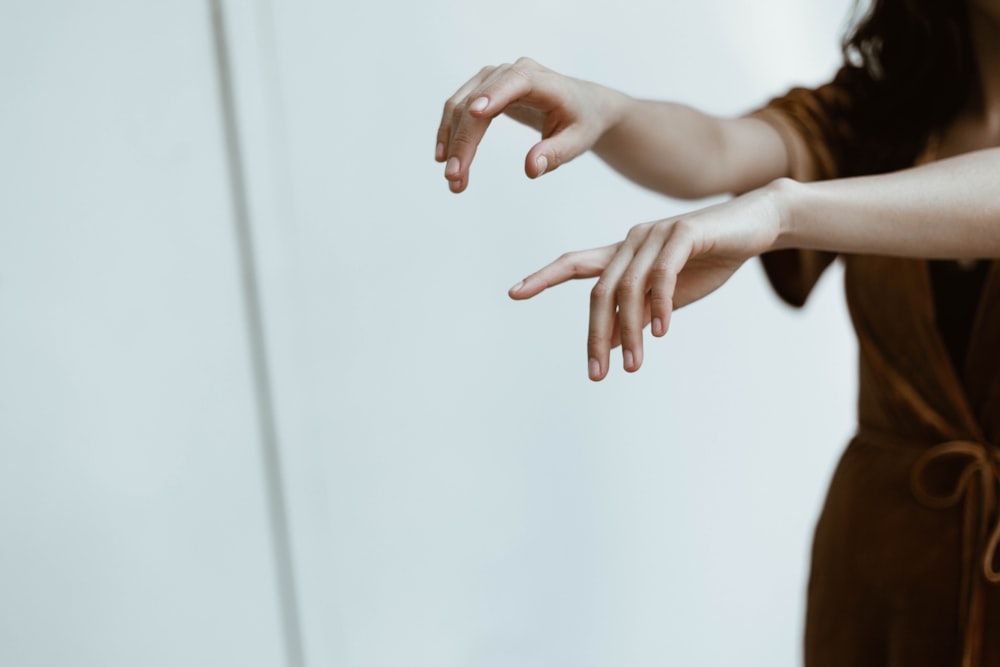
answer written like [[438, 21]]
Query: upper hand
[[570, 114], [659, 267]]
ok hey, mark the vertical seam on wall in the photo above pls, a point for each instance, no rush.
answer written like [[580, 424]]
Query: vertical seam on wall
[[271, 75], [264, 399]]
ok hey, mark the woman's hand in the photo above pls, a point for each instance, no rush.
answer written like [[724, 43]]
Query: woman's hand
[[570, 114], [660, 267]]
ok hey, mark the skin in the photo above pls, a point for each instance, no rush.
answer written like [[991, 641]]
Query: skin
[[947, 209]]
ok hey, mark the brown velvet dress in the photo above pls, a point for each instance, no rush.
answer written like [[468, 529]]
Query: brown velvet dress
[[905, 570]]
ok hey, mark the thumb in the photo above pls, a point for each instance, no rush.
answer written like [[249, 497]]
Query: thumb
[[550, 153]]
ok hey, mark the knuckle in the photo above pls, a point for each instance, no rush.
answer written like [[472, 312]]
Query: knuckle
[[461, 139], [600, 292], [568, 260], [555, 157], [683, 229], [523, 67], [659, 301], [636, 233], [660, 272], [628, 285], [596, 340]]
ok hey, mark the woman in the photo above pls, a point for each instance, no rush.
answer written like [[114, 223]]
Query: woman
[[895, 165]]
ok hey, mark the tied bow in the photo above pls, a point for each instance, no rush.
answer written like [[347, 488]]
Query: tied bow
[[982, 469], [982, 462]]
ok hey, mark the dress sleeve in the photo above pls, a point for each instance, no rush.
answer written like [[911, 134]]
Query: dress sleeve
[[817, 136]]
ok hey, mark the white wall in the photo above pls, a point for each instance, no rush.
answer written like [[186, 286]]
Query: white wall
[[133, 524], [460, 493]]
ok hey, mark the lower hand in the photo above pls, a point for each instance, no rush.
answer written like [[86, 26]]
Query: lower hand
[[659, 267]]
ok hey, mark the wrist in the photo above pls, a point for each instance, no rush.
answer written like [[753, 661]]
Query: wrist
[[785, 196], [612, 107]]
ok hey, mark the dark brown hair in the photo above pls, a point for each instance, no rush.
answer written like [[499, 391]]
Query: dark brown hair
[[910, 66]]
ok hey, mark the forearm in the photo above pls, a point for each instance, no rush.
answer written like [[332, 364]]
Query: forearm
[[946, 209], [682, 152]]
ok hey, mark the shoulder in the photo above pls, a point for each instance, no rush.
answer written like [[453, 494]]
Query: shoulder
[[819, 126]]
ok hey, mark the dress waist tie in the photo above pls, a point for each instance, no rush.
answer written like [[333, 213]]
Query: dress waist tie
[[977, 484]]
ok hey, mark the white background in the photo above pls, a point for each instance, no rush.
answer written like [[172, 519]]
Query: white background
[[458, 493]]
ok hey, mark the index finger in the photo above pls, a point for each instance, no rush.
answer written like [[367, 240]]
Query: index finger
[[569, 266]]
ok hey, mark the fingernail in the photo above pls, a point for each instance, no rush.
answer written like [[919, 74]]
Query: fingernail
[[455, 185], [439, 152], [657, 326], [628, 359], [595, 369], [451, 169], [479, 104], [517, 287], [542, 163]]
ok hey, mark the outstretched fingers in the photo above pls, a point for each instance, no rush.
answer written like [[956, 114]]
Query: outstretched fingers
[[460, 133], [454, 104], [616, 336], [669, 262], [570, 266], [637, 283], [632, 292], [468, 114], [609, 297], [636, 288]]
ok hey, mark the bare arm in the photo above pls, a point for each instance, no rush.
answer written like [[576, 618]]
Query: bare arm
[[685, 153], [667, 147], [947, 209]]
